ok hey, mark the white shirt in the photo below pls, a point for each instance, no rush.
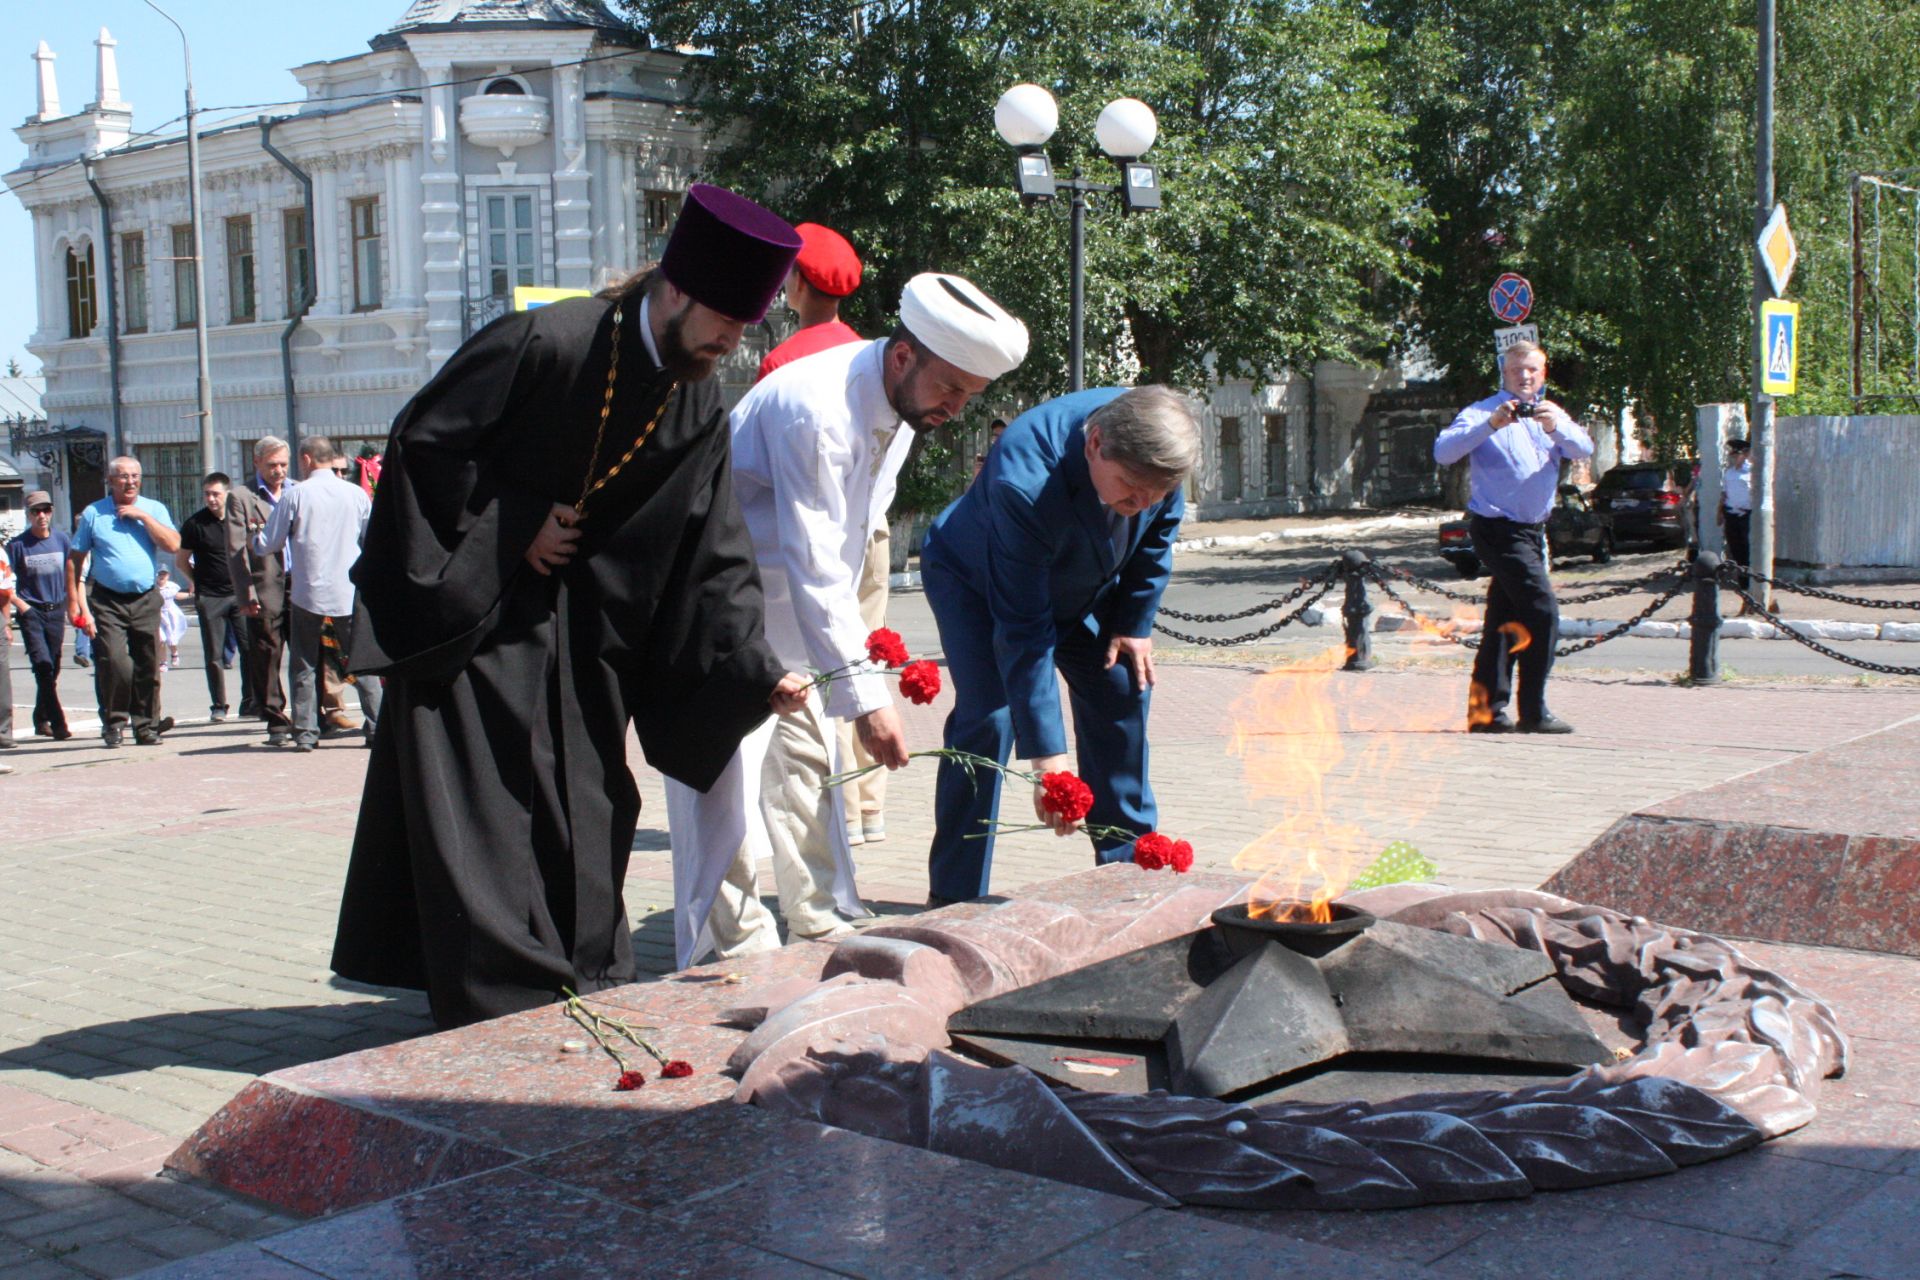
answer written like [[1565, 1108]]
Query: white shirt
[[1737, 484], [324, 517], [817, 450]]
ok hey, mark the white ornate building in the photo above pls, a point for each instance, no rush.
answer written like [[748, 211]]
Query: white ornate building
[[349, 246]]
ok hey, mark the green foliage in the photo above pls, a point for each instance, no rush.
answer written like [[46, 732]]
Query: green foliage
[[932, 477], [1279, 160]]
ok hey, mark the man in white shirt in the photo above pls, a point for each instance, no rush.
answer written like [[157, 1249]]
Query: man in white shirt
[[817, 448], [1736, 507], [324, 518]]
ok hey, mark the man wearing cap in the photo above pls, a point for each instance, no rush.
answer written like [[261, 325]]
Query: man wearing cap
[[1736, 509], [555, 553], [817, 448], [1055, 561], [38, 558], [826, 271]]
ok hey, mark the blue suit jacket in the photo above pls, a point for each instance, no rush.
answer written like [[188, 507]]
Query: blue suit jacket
[[1030, 537]]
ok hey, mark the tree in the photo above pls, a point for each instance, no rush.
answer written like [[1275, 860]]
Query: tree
[[1284, 213]]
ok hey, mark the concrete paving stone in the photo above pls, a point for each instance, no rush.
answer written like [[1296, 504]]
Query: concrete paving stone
[[113, 1258], [184, 1241], [110, 1217], [39, 1269]]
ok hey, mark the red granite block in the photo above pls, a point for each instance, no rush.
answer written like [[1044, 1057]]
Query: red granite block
[[1556, 1239], [510, 1084], [1185, 1246], [1877, 1236], [1756, 1195], [705, 992], [313, 1155], [1876, 898]]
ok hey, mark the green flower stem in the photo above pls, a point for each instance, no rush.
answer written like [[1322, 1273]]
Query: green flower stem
[[604, 1030], [965, 759], [1096, 830]]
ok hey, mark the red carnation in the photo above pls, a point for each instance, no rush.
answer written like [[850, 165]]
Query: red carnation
[[629, 1080], [1181, 859], [920, 682], [1153, 852], [1063, 793], [886, 647], [676, 1070]]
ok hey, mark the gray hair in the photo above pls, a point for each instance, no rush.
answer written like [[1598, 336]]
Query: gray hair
[[1151, 432], [266, 445], [125, 462]]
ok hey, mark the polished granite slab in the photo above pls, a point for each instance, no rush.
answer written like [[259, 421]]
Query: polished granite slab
[[1824, 849], [492, 1151]]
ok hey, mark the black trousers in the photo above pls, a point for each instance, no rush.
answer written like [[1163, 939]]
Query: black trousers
[[1523, 619], [268, 638], [1739, 542], [126, 657], [43, 628], [219, 615]]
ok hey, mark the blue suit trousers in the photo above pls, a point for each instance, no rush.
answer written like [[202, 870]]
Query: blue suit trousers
[[1109, 726]]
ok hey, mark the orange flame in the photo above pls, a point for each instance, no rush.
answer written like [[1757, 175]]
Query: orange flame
[[1331, 750]]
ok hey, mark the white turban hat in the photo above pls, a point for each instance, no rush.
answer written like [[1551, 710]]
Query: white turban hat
[[962, 325]]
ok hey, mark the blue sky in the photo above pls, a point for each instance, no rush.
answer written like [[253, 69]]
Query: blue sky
[[241, 52]]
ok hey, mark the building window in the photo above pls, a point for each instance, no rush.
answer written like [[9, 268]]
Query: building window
[[82, 310], [186, 302], [509, 241], [1276, 454], [506, 86], [663, 207], [298, 259], [133, 270], [1232, 478], [240, 278], [170, 473], [364, 214]]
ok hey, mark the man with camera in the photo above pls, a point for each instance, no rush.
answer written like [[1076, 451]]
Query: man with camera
[[1516, 440]]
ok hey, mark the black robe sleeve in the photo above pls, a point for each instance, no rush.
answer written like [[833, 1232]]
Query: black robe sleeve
[[451, 520]]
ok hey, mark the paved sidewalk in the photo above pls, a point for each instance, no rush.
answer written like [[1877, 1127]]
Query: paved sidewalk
[[164, 935]]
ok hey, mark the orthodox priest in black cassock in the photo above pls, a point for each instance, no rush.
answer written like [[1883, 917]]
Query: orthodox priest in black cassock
[[499, 812]]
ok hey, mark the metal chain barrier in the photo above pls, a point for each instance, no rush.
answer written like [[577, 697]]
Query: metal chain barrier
[[1820, 593], [1325, 577], [1428, 584], [1882, 668], [1325, 583], [1473, 642]]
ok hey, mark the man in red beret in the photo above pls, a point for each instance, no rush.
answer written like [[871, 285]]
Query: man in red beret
[[826, 271]]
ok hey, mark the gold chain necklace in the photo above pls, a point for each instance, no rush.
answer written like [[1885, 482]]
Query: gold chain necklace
[[592, 486]]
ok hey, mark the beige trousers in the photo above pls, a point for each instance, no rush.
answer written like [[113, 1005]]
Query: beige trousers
[[795, 808], [868, 795]]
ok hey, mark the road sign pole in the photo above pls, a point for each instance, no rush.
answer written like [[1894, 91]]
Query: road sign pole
[[1760, 418]]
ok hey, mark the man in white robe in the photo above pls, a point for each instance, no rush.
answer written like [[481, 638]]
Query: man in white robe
[[817, 449]]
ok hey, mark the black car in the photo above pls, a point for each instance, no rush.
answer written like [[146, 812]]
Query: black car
[[1573, 529], [1646, 501]]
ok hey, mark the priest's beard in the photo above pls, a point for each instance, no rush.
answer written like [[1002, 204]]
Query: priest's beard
[[684, 363]]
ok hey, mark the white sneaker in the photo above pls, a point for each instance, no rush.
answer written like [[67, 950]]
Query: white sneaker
[[6, 768], [854, 835], [873, 828]]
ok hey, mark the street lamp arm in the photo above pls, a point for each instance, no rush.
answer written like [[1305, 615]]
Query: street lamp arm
[[186, 50]]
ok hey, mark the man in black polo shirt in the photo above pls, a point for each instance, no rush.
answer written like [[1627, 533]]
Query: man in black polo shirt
[[202, 559]]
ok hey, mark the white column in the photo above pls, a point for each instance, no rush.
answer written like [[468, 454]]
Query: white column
[[49, 277], [106, 75], [403, 197], [48, 99], [572, 184], [332, 252], [442, 240]]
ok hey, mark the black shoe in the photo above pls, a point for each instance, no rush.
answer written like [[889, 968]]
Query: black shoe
[[146, 739], [1500, 723], [61, 733], [112, 737], [935, 902], [1548, 723], [82, 660], [41, 729], [165, 725]]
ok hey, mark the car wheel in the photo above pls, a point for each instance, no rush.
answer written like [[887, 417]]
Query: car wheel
[[1603, 552]]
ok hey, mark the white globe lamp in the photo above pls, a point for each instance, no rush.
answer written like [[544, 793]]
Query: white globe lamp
[[1126, 128], [1026, 116]]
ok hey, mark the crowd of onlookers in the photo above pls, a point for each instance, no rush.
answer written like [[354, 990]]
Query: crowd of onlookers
[[263, 565]]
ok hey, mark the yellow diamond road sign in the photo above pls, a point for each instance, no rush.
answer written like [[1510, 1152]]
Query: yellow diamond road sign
[[1777, 249]]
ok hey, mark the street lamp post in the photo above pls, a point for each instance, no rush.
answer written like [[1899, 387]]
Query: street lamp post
[[208, 463], [1025, 117]]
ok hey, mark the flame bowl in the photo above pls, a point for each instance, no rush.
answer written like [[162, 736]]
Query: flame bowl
[[1245, 932]]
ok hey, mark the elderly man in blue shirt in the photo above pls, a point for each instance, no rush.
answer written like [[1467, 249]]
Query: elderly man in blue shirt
[[1515, 440], [125, 535]]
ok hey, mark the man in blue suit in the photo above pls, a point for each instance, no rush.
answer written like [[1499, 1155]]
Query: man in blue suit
[[1055, 559]]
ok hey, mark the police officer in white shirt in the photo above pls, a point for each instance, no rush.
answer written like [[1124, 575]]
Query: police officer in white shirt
[[1736, 506]]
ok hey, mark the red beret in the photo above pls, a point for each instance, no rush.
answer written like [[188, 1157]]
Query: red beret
[[827, 261]]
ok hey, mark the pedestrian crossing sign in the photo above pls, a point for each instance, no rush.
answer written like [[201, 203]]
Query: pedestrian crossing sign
[[1780, 326]]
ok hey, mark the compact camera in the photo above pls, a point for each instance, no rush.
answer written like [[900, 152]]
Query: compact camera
[[1522, 409]]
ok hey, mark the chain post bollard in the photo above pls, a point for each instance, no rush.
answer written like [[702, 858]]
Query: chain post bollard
[[1703, 659], [1356, 610]]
